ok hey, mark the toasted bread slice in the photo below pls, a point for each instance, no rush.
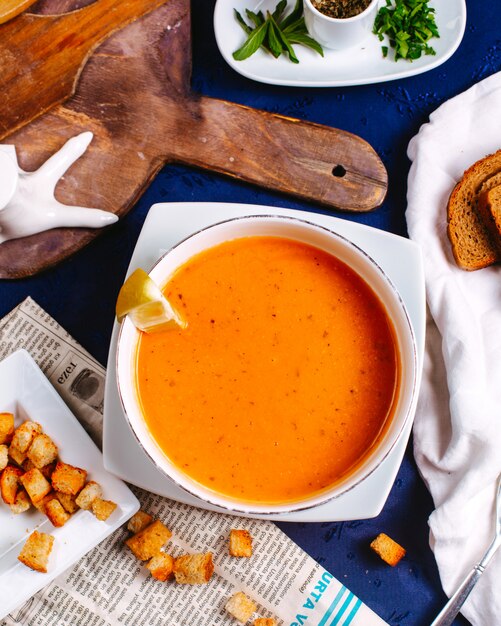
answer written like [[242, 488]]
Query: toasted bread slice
[[489, 209], [489, 183], [472, 245]]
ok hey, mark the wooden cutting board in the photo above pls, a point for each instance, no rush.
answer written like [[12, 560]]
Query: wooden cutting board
[[54, 48], [134, 94]]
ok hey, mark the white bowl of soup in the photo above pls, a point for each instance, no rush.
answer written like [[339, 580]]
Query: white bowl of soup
[[294, 377]]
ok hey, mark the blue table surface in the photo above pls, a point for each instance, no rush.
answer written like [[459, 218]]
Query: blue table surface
[[81, 292]]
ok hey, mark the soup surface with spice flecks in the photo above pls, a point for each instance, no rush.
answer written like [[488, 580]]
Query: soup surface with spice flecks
[[284, 379]]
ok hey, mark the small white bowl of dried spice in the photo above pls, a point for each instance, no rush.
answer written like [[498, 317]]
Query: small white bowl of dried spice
[[339, 24]]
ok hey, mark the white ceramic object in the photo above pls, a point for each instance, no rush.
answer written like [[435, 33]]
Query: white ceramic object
[[27, 202], [330, 242], [338, 34], [26, 392], [358, 65], [166, 225]]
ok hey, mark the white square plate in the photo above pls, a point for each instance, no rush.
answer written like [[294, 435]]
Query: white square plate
[[360, 65], [169, 223], [26, 392]]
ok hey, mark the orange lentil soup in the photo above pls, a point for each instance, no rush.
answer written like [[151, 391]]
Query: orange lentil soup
[[284, 378]]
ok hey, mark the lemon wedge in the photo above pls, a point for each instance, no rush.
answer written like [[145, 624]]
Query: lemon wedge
[[148, 309]]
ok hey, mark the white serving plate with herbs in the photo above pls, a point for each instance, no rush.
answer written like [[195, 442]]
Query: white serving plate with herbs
[[360, 65]]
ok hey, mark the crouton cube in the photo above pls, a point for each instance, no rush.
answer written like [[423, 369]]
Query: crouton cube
[[68, 479], [67, 501], [4, 456], [35, 484], [102, 509], [89, 493], [240, 543], [139, 521], [27, 465], [23, 435], [42, 451], [36, 551], [390, 551], [56, 513], [161, 566], [41, 505], [16, 455], [6, 427], [193, 569], [21, 503], [48, 470], [147, 543], [9, 483], [240, 606], [264, 621]]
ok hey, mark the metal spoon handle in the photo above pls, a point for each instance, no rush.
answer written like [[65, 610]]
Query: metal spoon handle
[[452, 608]]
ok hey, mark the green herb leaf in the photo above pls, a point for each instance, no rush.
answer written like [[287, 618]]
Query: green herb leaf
[[253, 43], [256, 18], [279, 9], [274, 41], [242, 22], [274, 34], [297, 12], [284, 40], [307, 41], [297, 25]]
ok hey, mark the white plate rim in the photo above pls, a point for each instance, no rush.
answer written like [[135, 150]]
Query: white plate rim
[[402, 69]]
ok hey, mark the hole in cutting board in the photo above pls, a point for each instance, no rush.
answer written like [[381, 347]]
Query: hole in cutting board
[[338, 171]]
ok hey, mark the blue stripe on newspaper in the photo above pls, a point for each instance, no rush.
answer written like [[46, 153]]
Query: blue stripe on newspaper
[[338, 613], [353, 612], [332, 607], [342, 610]]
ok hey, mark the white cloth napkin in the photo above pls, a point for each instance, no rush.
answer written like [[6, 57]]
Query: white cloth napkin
[[457, 432]]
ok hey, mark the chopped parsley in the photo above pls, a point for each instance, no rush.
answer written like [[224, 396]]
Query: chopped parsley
[[409, 25]]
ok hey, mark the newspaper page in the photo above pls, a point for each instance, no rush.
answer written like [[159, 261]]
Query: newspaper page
[[109, 586]]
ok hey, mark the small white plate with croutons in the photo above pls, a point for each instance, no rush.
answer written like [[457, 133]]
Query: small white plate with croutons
[[48, 467]]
